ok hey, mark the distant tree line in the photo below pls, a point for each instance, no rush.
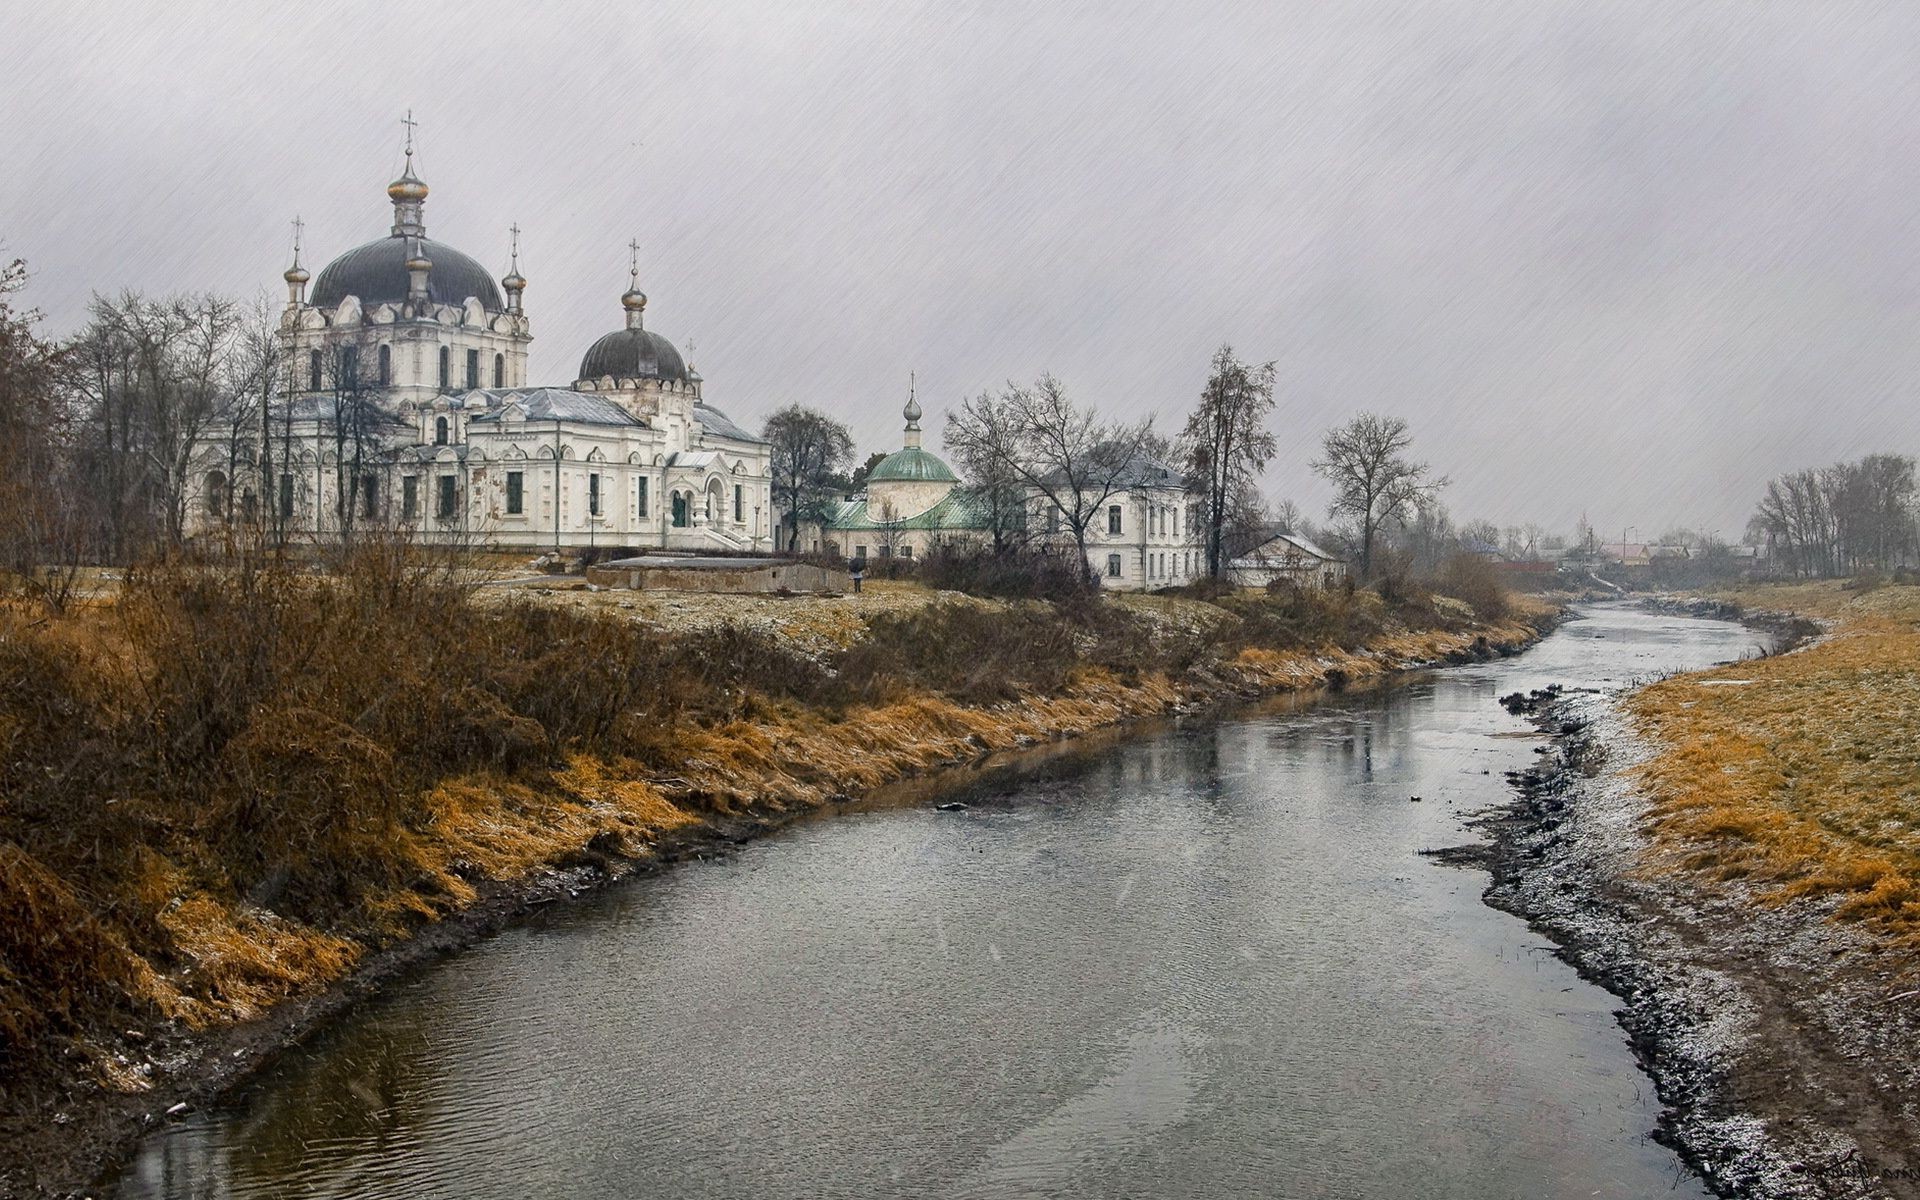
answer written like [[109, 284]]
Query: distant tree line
[[1842, 520]]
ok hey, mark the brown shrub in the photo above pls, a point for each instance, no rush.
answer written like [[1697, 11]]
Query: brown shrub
[[973, 654], [1011, 575], [1473, 579]]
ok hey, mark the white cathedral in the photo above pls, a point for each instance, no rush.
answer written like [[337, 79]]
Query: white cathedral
[[407, 407]]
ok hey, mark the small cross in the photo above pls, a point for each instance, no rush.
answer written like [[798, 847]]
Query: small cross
[[409, 122], [634, 264], [514, 229], [298, 226]]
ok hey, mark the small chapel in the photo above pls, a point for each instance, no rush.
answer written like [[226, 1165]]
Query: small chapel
[[406, 406]]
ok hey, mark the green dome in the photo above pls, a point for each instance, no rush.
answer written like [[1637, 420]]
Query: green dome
[[912, 465]]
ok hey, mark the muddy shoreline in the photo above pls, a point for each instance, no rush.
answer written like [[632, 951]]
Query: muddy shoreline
[[1782, 1067], [73, 1148]]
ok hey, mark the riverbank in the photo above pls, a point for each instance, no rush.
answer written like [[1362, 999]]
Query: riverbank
[[1731, 853], [215, 957]]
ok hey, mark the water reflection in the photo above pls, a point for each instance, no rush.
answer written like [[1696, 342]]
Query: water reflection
[[1209, 961]]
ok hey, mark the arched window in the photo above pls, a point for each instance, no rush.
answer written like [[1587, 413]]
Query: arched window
[[473, 368], [313, 370], [350, 367], [446, 368], [499, 370], [386, 364], [216, 493], [440, 428]]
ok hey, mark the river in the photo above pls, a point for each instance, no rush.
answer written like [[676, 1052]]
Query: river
[[1203, 960]]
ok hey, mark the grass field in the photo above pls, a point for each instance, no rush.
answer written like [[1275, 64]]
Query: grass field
[[1800, 773]]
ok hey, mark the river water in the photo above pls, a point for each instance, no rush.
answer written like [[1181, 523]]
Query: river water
[[1200, 961]]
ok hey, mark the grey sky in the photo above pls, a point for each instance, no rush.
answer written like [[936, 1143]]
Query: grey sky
[[1622, 258]]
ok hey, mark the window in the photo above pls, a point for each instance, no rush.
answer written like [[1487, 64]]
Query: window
[[1113, 566], [313, 370], [216, 492], [409, 497], [439, 431], [286, 495], [445, 510], [499, 370], [516, 492], [860, 554], [906, 552], [249, 504], [1053, 518], [1113, 519], [739, 504], [386, 364], [446, 368], [593, 495], [369, 495], [473, 368], [679, 510], [640, 497], [349, 366], [886, 552]]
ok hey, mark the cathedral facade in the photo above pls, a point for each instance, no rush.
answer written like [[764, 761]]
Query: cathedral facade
[[405, 405]]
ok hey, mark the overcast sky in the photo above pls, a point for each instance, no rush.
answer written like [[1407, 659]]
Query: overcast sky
[[1626, 259]]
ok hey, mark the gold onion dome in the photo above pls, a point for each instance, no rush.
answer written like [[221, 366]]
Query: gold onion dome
[[514, 281], [418, 260], [296, 274], [408, 186], [633, 299]]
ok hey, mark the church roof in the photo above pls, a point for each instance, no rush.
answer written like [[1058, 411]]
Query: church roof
[[377, 273], [957, 511], [720, 425], [633, 354], [553, 404], [912, 465]]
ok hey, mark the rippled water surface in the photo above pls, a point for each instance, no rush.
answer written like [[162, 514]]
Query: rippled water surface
[[1204, 961]]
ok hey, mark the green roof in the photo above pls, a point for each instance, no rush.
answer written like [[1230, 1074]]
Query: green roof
[[912, 465], [957, 511]]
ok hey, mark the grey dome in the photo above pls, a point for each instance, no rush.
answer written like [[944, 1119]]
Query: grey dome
[[633, 354], [377, 273]]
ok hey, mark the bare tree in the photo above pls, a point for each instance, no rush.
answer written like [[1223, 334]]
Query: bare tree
[[809, 449], [886, 528], [149, 377], [1226, 445], [43, 534], [259, 386], [1052, 446], [1374, 483], [1841, 519], [359, 425], [1284, 516], [995, 487]]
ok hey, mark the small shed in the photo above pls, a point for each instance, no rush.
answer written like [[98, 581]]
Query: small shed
[[1290, 557], [693, 573]]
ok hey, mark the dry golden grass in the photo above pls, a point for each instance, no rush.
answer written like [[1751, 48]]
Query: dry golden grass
[[1801, 773]]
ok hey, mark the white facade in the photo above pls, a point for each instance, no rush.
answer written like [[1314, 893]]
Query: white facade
[[1144, 536], [407, 407]]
